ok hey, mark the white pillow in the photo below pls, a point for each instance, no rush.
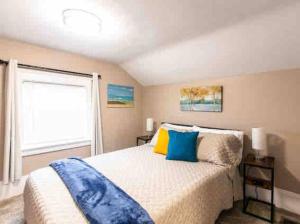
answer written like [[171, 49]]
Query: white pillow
[[168, 126], [238, 134]]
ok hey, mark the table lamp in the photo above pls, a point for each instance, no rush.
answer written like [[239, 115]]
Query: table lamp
[[149, 126], [259, 141]]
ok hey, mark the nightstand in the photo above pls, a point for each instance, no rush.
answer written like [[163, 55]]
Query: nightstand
[[266, 163], [145, 138]]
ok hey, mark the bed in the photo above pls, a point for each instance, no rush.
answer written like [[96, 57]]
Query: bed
[[170, 191]]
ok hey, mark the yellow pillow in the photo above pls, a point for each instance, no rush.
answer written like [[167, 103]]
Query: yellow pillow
[[161, 146]]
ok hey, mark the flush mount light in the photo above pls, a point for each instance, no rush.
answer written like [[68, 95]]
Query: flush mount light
[[81, 21]]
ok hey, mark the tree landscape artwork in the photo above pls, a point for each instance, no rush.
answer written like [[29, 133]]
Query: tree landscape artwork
[[203, 98], [120, 96]]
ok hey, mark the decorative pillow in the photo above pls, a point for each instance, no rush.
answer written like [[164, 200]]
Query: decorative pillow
[[162, 142], [238, 134], [182, 146], [168, 126], [221, 149]]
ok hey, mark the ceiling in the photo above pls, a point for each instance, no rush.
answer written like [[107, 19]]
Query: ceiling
[[168, 41]]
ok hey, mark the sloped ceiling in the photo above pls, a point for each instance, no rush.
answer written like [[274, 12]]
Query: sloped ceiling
[[267, 42], [168, 41]]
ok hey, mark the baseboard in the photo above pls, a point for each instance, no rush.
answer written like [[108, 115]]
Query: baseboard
[[283, 199], [12, 189]]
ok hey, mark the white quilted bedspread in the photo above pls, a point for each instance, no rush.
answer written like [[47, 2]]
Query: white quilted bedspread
[[171, 191]]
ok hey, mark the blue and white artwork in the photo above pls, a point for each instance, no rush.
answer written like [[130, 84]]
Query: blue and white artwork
[[120, 96]]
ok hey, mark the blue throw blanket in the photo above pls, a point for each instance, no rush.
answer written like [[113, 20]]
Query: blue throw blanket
[[99, 199]]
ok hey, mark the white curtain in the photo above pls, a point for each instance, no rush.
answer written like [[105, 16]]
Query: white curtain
[[12, 169], [97, 144]]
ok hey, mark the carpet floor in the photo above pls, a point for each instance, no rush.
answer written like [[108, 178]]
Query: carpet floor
[[11, 212]]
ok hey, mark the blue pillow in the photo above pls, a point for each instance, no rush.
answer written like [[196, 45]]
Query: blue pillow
[[182, 146]]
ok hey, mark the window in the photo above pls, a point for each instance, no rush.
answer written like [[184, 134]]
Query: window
[[55, 111]]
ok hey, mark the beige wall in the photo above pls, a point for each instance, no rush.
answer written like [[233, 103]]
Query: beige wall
[[269, 99], [120, 126]]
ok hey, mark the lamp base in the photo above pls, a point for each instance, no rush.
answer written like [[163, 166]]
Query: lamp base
[[149, 134], [258, 156]]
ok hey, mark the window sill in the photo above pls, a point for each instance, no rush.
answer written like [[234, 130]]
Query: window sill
[[56, 148]]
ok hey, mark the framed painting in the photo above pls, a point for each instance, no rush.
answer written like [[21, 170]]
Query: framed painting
[[120, 96], [203, 98]]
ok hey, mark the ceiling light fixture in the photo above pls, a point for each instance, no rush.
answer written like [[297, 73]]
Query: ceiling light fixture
[[81, 20]]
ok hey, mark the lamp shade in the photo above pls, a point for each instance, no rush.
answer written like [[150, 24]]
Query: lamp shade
[[259, 139], [149, 124]]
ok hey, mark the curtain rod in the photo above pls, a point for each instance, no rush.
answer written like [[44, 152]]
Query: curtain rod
[[49, 69]]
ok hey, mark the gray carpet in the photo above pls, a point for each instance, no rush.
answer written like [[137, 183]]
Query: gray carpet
[[11, 212]]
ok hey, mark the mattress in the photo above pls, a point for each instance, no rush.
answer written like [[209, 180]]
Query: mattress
[[170, 191]]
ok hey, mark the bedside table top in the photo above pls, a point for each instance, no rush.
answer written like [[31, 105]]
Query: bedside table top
[[145, 137], [265, 162]]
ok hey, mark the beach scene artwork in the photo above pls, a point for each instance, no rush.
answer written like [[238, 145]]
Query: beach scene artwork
[[120, 96], [203, 98]]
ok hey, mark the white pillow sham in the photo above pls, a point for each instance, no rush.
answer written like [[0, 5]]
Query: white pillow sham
[[168, 126]]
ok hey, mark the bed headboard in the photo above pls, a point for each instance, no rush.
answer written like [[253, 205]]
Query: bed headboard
[[189, 125]]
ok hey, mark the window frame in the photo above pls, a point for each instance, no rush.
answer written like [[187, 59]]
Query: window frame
[[36, 76]]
